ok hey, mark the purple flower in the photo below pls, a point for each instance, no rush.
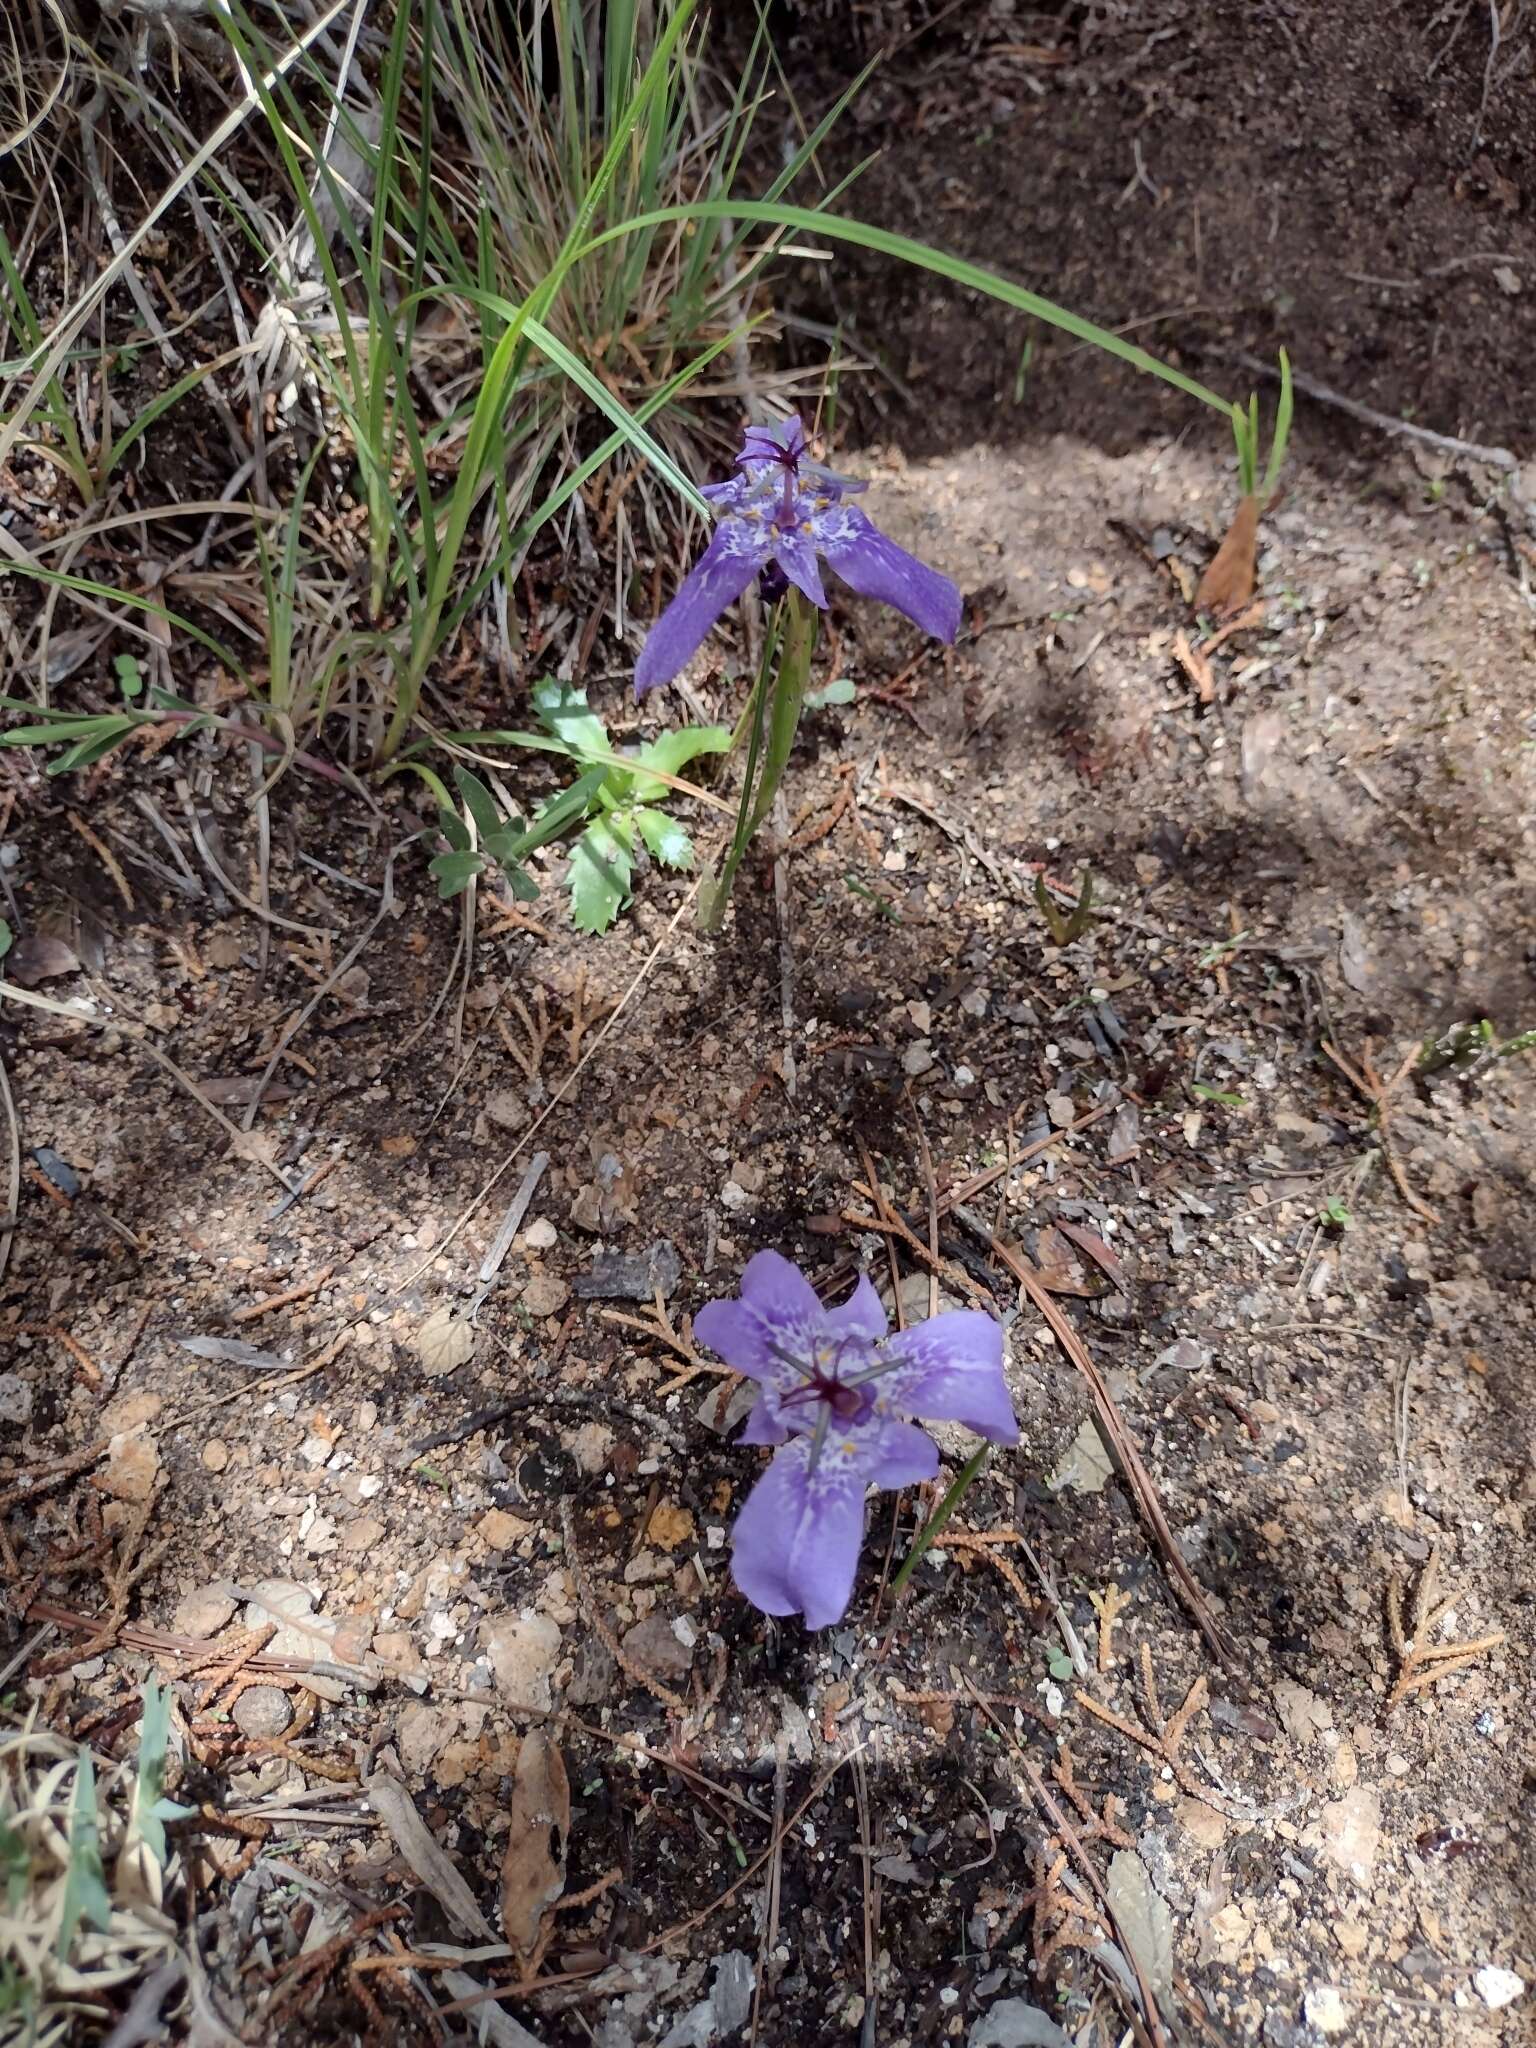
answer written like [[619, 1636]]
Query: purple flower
[[781, 510], [834, 1385]]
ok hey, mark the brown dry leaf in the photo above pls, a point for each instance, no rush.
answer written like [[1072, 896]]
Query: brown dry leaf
[[1227, 585], [1090, 1242], [533, 1869], [1058, 1265], [670, 1527], [1195, 666], [444, 1342], [38, 957]]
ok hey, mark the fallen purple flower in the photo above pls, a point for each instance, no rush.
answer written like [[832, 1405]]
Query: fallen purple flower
[[784, 511], [834, 1386]]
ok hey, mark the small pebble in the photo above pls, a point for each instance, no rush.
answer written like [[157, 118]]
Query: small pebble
[[262, 1710], [203, 1612], [215, 1454]]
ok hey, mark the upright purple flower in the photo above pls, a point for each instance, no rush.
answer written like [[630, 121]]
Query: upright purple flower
[[782, 510], [834, 1385]]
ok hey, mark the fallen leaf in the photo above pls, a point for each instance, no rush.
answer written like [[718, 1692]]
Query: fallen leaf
[[1087, 1465], [37, 957], [533, 1868], [1227, 585], [392, 1803], [1090, 1242], [1354, 954], [444, 1342], [1142, 1919], [232, 1351]]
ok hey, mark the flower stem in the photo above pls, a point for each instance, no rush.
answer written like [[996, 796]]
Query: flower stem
[[922, 1541], [787, 659]]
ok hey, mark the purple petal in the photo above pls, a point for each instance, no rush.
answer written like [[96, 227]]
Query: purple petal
[[774, 442], [906, 1454], [861, 1315], [734, 555], [778, 1310], [763, 1426], [795, 554], [875, 567], [795, 1547], [951, 1370]]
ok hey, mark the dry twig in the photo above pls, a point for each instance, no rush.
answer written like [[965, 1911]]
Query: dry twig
[[1420, 1661]]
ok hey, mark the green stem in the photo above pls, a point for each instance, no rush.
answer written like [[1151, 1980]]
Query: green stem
[[923, 1540], [797, 644], [787, 660]]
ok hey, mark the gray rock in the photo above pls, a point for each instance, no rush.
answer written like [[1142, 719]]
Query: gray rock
[[262, 1710]]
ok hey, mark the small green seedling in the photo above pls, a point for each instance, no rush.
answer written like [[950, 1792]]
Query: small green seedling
[[1223, 948], [1221, 1095], [151, 1808], [85, 1887], [840, 692], [1064, 930], [1335, 1214], [130, 677], [1245, 432]]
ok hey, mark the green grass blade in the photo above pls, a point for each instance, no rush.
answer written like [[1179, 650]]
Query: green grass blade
[[921, 256], [1283, 412]]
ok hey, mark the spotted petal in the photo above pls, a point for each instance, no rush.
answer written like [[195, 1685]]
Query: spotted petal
[[736, 552], [796, 556], [778, 1312], [876, 567], [950, 1369]]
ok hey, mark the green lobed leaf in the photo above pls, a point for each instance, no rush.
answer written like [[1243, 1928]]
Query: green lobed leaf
[[840, 692], [563, 714], [665, 839], [672, 752], [601, 868], [453, 872]]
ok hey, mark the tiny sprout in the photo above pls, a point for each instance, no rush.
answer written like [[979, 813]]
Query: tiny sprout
[[1064, 930]]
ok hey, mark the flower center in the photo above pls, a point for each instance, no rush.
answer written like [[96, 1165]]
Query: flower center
[[843, 1401]]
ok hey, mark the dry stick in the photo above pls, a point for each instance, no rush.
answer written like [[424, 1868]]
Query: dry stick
[[1119, 1438], [239, 1140], [13, 1172], [1369, 1083], [561, 1092], [286, 1299], [979, 1182], [1496, 458]]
